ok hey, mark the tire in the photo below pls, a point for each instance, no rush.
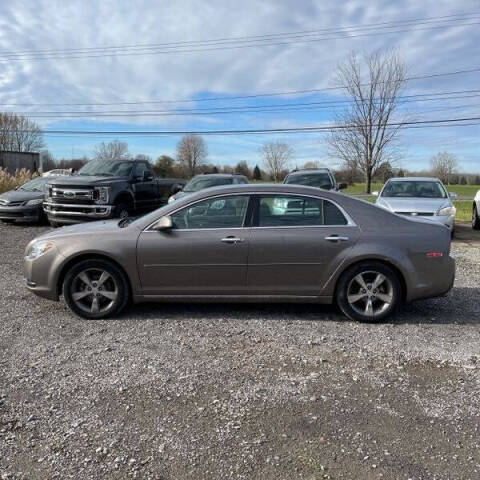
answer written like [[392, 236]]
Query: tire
[[122, 210], [86, 285], [349, 288], [475, 218], [54, 224], [8, 221], [452, 233]]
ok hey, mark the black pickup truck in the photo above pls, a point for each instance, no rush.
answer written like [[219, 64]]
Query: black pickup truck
[[107, 189]]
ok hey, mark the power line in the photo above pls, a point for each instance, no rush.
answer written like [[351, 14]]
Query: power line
[[390, 24], [213, 47], [253, 131], [238, 97], [305, 106]]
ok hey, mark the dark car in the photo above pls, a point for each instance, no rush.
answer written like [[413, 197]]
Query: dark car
[[315, 177], [107, 189], [24, 203], [208, 180], [264, 243]]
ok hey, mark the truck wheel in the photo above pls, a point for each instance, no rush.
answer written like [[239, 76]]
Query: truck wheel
[[96, 289], [121, 211], [368, 292], [54, 224], [475, 219]]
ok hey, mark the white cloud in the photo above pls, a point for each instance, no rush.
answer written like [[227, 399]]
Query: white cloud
[[27, 25]]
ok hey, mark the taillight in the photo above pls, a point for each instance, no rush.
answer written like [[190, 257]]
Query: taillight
[[434, 254]]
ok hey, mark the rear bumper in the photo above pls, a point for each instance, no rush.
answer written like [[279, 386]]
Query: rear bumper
[[434, 281], [76, 213], [22, 213]]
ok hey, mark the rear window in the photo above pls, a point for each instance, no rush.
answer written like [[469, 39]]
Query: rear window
[[318, 180]]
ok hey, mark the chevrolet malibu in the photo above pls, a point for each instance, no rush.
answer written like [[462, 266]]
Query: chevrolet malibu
[[246, 243]]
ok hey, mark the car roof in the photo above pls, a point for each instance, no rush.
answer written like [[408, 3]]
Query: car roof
[[414, 179], [218, 175], [311, 170]]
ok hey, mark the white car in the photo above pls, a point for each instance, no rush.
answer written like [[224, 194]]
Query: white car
[[476, 212], [56, 172], [419, 197]]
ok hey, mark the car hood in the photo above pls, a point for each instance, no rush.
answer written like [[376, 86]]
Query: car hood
[[80, 180], [19, 196], [413, 204], [90, 228]]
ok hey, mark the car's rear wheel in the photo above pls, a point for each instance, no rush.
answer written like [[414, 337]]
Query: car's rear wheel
[[475, 218], [96, 289], [368, 292]]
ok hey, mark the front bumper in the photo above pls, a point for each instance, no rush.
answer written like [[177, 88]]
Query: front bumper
[[76, 213], [26, 213], [40, 273]]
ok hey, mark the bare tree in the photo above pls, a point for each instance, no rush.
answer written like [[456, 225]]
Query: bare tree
[[364, 138], [191, 153], [443, 166], [114, 150], [276, 157], [19, 134]]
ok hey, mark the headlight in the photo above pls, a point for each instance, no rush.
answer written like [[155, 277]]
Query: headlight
[[171, 199], [447, 211], [37, 201], [102, 194], [39, 248]]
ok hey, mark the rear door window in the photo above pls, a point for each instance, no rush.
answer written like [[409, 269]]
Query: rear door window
[[297, 211]]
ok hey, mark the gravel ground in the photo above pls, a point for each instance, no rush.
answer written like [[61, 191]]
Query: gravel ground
[[238, 391]]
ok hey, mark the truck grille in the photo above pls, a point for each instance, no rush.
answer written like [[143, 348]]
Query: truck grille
[[71, 195]]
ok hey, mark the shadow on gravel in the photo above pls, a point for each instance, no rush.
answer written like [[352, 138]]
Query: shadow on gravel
[[461, 306]]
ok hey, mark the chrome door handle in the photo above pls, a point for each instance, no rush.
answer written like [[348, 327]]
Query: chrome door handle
[[337, 238], [233, 240]]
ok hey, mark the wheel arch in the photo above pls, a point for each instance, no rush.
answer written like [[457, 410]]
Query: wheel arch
[[398, 272], [88, 256], [124, 197]]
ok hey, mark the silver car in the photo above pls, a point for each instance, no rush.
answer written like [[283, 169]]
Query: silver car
[[419, 197], [246, 243]]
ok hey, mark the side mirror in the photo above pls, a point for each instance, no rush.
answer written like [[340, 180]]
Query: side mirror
[[375, 193], [342, 186], [452, 195], [165, 223], [147, 176], [176, 188]]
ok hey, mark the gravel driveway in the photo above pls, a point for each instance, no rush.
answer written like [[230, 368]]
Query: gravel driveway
[[238, 391]]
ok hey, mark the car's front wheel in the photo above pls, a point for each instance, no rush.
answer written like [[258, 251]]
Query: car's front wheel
[[96, 289], [368, 292], [475, 218]]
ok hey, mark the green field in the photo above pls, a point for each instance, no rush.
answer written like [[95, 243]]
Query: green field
[[464, 207]]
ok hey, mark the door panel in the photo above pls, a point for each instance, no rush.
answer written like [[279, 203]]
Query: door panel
[[193, 262], [295, 261], [293, 245], [205, 253]]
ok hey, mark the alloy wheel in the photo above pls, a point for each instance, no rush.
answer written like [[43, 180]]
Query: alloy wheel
[[94, 290], [370, 293]]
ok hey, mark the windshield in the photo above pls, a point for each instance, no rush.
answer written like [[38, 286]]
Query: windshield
[[108, 168], [199, 183], [35, 185], [319, 180], [414, 189]]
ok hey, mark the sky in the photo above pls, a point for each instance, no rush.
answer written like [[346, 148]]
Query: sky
[[58, 56]]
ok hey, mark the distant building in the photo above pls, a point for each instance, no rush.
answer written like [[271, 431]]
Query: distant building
[[12, 161]]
